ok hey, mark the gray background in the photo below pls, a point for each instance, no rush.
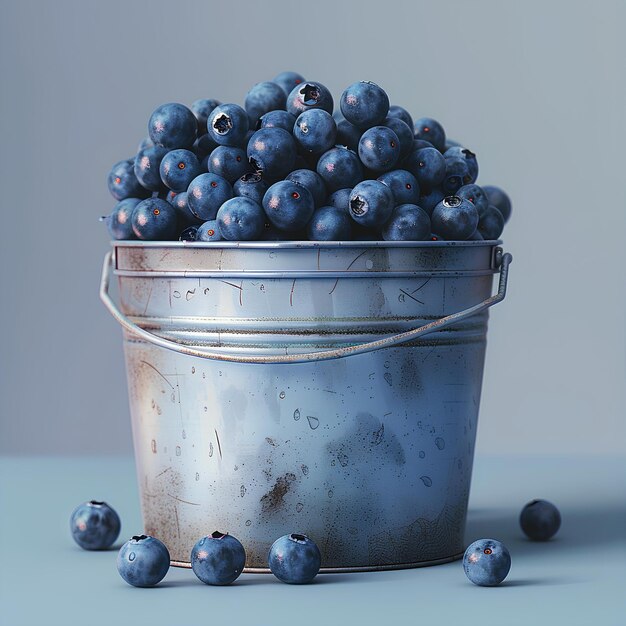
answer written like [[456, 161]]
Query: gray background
[[535, 88]]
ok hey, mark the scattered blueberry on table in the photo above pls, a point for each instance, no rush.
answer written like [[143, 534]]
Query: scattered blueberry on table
[[486, 562], [294, 559], [540, 520], [95, 525], [143, 561], [218, 559]]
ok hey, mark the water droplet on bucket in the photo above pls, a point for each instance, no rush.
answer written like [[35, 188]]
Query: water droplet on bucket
[[206, 408], [131, 556], [210, 448], [281, 395], [369, 264], [176, 294], [299, 507], [440, 443], [313, 422], [248, 522], [330, 493], [427, 481], [184, 434], [296, 414], [177, 450], [153, 446], [197, 476], [422, 454], [242, 490], [193, 370], [343, 459], [305, 469], [388, 378]]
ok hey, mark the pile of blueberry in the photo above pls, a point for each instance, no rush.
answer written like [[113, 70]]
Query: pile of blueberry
[[219, 558], [287, 166]]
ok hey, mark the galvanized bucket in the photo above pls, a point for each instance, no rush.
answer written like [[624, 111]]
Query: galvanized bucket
[[327, 389]]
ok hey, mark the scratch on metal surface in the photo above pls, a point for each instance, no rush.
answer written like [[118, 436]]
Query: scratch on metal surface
[[356, 258], [406, 293], [181, 500], [240, 287], [293, 286], [423, 284], [167, 469], [318, 258], [219, 447], [177, 522], [169, 289], [148, 300], [159, 373]]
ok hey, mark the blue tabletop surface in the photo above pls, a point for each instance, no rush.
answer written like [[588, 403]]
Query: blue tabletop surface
[[577, 578]]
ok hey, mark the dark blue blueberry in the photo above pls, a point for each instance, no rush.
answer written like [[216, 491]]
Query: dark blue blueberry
[[146, 142], [315, 131], [339, 168], [371, 203], [457, 175], [475, 195], [540, 520], [277, 119], [408, 222], [170, 197], [309, 95], [206, 194], [202, 109], [450, 143], [262, 98], [295, 559], [312, 181], [154, 219], [486, 562], [340, 199], [173, 126], [428, 166], [272, 151], [418, 144], [204, 145], [251, 185], [119, 222], [454, 219], [404, 186], [433, 237], [146, 167], [288, 205], [178, 168], [475, 236], [181, 205], [490, 223], [241, 219], [143, 561], [330, 223], [430, 130], [228, 162], [499, 199], [218, 559], [188, 233], [271, 233], [403, 132], [379, 149], [348, 135], [429, 200], [228, 124], [288, 81], [123, 183], [364, 104], [402, 114], [458, 152], [209, 231], [94, 525]]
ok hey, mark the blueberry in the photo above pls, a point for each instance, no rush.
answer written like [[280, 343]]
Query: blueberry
[[309, 95], [486, 562], [475, 195], [277, 119], [251, 185], [154, 219], [209, 231], [450, 143], [348, 135], [371, 203], [330, 223], [123, 183], [490, 223], [401, 113], [364, 104], [181, 205], [312, 181], [94, 525], [295, 559], [288, 81], [146, 142], [172, 126], [119, 222], [540, 520], [339, 168], [404, 186], [315, 131], [454, 219], [418, 144], [408, 222], [404, 133], [262, 98], [228, 162], [272, 151], [427, 165], [340, 199], [500, 200], [458, 152], [143, 561], [146, 167], [202, 109], [379, 148], [206, 194], [188, 234], [457, 175], [475, 236], [178, 168], [241, 219], [362, 233], [204, 145], [430, 130], [288, 205], [429, 200], [228, 124], [218, 559]]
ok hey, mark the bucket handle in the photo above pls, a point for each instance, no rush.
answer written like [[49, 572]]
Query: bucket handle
[[502, 260]]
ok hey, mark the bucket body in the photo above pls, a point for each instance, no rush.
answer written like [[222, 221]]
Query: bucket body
[[370, 455]]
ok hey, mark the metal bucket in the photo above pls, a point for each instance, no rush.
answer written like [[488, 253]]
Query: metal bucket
[[249, 417]]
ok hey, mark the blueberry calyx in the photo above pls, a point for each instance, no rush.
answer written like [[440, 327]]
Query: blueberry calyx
[[256, 166], [358, 205], [96, 503], [298, 538], [138, 537], [451, 201], [304, 129], [216, 534], [468, 153], [310, 94], [252, 177], [222, 124]]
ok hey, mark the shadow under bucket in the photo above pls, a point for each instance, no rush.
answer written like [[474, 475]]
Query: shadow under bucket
[[329, 389]]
